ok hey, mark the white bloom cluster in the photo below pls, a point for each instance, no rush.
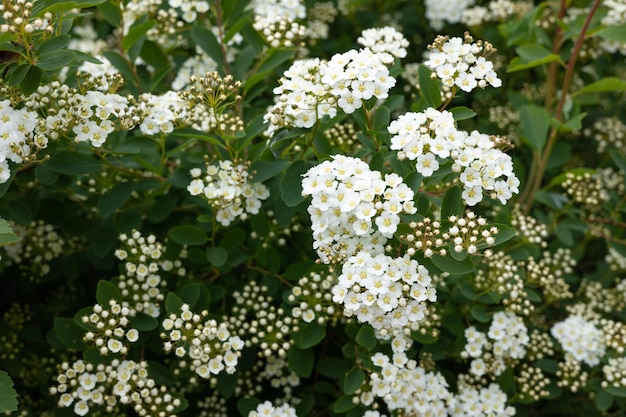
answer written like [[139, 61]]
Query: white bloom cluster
[[301, 97], [108, 326], [615, 372], [430, 136], [189, 9], [105, 387], [210, 346], [616, 16], [495, 11], [17, 136], [461, 63], [226, 188], [353, 208], [286, 9], [386, 39], [356, 76], [279, 31], [267, 409], [451, 11], [141, 284], [197, 65], [487, 402], [506, 339], [386, 292], [161, 113], [313, 300], [404, 385], [580, 339]]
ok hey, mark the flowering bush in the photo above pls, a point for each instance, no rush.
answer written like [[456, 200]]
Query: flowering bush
[[312, 208]]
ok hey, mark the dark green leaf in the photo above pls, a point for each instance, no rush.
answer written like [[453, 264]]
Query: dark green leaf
[[55, 60], [603, 400], [246, 404], [603, 85], [115, 198], [353, 381], [217, 256], [616, 391], [74, 163], [69, 333], [190, 293], [173, 303], [535, 124], [343, 404], [263, 171], [366, 337], [462, 113], [430, 90], [161, 374], [291, 183], [554, 200], [300, 361], [188, 234], [107, 291], [504, 233], [111, 13], [332, 367], [144, 322], [479, 312], [452, 204], [7, 235], [8, 396], [135, 32], [31, 80], [531, 56], [613, 33], [309, 335], [206, 40], [452, 266], [54, 44]]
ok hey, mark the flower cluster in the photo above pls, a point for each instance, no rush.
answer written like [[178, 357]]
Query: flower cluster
[[228, 189], [286, 9], [462, 63], [489, 401], [614, 372], [430, 136], [279, 32], [495, 11], [580, 339], [549, 273], [109, 328], [501, 274], [313, 299], [17, 18], [404, 385], [386, 40], [353, 208], [609, 132], [189, 10], [17, 137], [160, 114], [210, 346], [505, 341], [267, 409], [438, 12], [106, 388], [141, 284], [388, 293], [357, 76]]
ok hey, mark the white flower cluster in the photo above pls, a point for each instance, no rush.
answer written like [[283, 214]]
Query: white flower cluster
[[386, 292], [267, 409], [210, 346], [17, 136], [140, 286], [353, 208], [614, 372], [286, 9], [458, 62], [161, 113], [301, 97], [279, 31], [487, 402], [109, 332], [386, 39], [402, 384], [189, 9], [506, 339], [313, 300], [225, 186], [451, 11], [105, 387], [430, 136], [356, 76], [197, 65], [616, 16], [495, 11], [580, 339]]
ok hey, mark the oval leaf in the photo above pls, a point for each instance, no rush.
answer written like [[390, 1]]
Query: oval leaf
[[188, 234]]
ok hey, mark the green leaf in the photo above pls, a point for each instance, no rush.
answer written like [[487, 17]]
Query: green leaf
[[309, 335], [613, 33], [452, 204], [603, 400], [8, 396], [144, 322], [54, 44], [531, 56], [353, 381], [247, 404], [343, 404], [7, 235], [107, 291], [430, 90], [479, 312], [366, 337], [217, 256], [173, 303], [300, 361], [291, 183], [452, 266], [535, 124], [553, 200], [31, 80], [462, 113], [190, 293], [55, 60], [115, 198], [69, 333], [616, 391], [74, 163], [111, 13], [603, 85], [136, 32], [206, 40], [263, 171], [188, 234], [504, 233], [161, 374]]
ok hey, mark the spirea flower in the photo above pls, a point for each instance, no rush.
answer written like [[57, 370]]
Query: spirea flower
[[478, 402], [386, 39], [580, 339], [267, 409]]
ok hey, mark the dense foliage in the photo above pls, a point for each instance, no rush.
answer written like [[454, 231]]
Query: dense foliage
[[299, 207]]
